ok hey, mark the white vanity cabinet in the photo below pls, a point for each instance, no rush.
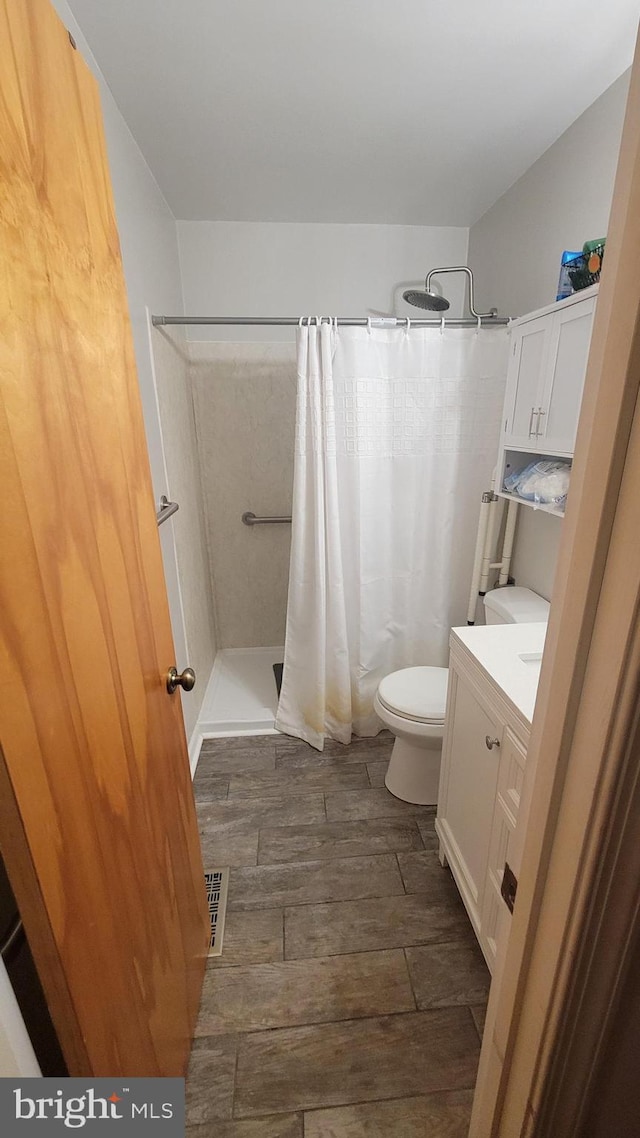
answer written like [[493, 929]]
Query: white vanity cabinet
[[483, 761], [547, 366]]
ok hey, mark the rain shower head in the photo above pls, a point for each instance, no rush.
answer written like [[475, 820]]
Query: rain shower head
[[434, 302], [422, 299]]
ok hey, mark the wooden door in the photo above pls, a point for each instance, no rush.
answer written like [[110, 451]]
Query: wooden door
[[561, 976], [97, 820]]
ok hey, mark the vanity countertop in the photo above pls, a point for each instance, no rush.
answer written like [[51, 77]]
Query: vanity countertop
[[499, 650]]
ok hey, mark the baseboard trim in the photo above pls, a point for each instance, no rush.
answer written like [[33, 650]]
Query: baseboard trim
[[195, 744]]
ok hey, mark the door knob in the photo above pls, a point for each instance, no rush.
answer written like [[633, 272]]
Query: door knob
[[491, 743], [186, 680]]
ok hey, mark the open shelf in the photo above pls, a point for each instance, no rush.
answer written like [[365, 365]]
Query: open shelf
[[546, 508]]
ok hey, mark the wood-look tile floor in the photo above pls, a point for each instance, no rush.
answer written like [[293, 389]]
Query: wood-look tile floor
[[350, 993]]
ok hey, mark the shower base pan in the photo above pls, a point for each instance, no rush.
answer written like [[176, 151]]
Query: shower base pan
[[241, 696]]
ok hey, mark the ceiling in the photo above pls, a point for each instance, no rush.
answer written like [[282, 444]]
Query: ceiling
[[393, 111]]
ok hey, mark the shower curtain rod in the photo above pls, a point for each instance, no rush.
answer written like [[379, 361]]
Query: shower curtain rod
[[353, 321]]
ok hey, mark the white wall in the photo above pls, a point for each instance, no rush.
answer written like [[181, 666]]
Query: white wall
[[152, 271], [562, 201], [291, 269]]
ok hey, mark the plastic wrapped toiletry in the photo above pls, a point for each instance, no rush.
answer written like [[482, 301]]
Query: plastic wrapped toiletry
[[545, 482]]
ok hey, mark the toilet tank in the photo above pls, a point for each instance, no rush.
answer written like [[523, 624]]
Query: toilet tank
[[512, 605]]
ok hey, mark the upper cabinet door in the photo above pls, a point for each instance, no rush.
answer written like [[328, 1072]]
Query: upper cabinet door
[[564, 378], [525, 382]]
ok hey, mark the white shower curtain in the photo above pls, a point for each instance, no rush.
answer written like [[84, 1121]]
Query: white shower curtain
[[396, 437]]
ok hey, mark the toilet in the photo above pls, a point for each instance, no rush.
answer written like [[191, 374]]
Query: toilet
[[412, 704]]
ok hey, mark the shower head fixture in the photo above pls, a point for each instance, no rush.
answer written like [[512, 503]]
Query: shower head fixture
[[423, 299], [434, 302]]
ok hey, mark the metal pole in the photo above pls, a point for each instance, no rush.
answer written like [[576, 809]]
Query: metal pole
[[483, 522], [351, 321], [507, 545]]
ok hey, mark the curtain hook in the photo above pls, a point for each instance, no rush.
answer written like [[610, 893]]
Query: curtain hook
[[408, 327], [479, 326], [442, 323], [369, 325]]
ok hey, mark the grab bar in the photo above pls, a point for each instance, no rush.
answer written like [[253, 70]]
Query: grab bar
[[167, 509], [249, 519]]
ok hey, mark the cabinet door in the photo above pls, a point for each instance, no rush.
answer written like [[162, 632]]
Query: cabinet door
[[468, 791], [525, 382], [496, 918], [564, 378]]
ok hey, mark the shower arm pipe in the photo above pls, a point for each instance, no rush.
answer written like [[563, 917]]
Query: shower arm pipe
[[492, 314], [351, 321]]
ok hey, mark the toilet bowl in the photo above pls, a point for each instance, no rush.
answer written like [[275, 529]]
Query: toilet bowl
[[412, 704]]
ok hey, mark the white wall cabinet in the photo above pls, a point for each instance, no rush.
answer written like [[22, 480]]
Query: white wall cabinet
[[545, 380], [483, 760], [546, 374]]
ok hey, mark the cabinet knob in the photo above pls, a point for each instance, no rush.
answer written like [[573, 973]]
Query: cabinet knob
[[491, 743]]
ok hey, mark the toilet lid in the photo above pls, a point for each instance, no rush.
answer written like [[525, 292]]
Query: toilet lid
[[416, 693]]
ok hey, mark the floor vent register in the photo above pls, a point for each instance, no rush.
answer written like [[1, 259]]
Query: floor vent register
[[217, 883]]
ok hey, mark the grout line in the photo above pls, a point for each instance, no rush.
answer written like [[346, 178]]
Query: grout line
[[373, 1102], [239, 1035], [404, 887], [362, 950], [315, 860], [406, 964], [252, 1032], [478, 1032], [307, 904], [235, 1076]]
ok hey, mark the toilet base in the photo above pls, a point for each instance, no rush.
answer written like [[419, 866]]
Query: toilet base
[[414, 772]]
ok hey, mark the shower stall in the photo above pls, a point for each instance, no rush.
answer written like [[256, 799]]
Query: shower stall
[[244, 401], [244, 406]]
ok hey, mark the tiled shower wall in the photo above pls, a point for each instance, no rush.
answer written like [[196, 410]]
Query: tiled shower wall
[[244, 403]]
